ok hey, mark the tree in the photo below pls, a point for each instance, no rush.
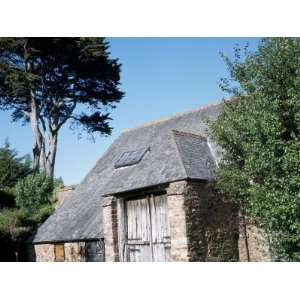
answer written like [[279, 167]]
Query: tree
[[34, 191], [25, 202], [12, 167], [53, 81], [259, 131]]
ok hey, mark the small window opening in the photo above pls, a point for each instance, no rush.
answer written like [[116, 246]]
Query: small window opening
[[130, 158]]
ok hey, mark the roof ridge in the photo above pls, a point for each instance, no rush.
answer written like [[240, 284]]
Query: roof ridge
[[165, 119]]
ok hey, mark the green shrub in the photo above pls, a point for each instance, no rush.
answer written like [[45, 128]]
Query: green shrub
[[34, 191], [16, 227], [11, 222], [41, 214]]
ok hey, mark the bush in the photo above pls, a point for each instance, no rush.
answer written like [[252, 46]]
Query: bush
[[16, 227], [40, 214], [34, 191], [10, 221]]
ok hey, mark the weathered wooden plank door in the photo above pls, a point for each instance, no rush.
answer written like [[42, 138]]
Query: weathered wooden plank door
[[139, 230], [161, 240], [148, 237], [59, 251]]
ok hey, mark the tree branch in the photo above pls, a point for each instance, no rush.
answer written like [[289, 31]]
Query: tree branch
[[64, 120]]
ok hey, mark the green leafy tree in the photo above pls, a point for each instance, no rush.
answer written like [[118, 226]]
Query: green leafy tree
[[12, 167], [13, 233], [259, 131], [17, 224], [34, 191], [51, 82]]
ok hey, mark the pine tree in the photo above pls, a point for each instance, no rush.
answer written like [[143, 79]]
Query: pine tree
[[51, 82]]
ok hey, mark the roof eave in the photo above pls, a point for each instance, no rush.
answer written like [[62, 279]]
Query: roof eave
[[137, 189]]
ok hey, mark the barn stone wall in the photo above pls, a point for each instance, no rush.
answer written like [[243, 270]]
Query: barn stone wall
[[203, 226], [74, 252], [44, 252], [177, 219], [110, 228]]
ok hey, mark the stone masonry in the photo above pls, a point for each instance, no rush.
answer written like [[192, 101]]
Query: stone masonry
[[110, 228], [203, 227], [74, 252], [44, 252], [253, 243], [177, 218]]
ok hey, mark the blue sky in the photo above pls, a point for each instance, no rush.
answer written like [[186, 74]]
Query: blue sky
[[160, 76]]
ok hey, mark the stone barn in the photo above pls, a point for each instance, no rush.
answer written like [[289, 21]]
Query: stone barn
[[151, 197]]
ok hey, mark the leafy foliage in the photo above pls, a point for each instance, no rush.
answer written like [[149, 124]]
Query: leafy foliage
[[64, 72], [259, 130], [16, 227], [12, 167], [11, 221], [34, 191]]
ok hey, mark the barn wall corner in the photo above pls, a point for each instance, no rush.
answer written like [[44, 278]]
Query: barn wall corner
[[177, 220], [110, 228]]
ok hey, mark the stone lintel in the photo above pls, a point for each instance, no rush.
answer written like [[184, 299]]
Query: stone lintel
[[177, 188]]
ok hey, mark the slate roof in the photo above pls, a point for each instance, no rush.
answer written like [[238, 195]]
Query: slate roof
[[196, 155], [180, 148]]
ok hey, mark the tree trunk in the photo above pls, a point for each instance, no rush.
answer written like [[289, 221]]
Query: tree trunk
[[50, 160], [39, 146], [38, 149], [36, 156]]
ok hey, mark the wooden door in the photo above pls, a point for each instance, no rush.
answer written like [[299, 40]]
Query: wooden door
[[59, 251], [148, 233], [160, 230]]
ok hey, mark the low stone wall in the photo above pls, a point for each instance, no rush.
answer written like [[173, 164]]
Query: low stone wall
[[253, 243], [73, 252]]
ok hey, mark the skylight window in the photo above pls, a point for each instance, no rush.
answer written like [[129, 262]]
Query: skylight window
[[130, 158]]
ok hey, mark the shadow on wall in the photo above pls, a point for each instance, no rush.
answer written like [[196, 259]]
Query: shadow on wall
[[217, 236]]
